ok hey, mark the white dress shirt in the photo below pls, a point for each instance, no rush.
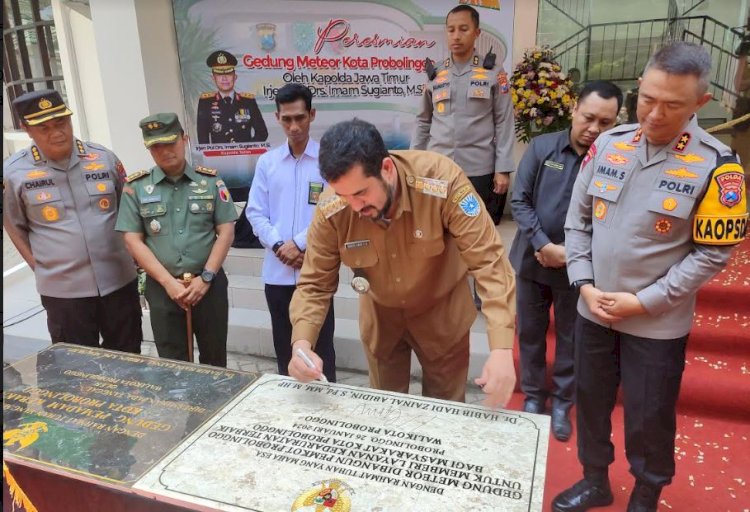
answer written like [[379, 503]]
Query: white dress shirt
[[281, 204]]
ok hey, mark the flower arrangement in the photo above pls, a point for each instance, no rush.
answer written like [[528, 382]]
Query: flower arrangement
[[542, 96]]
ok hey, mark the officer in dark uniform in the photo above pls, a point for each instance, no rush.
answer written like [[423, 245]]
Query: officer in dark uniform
[[540, 202], [226, 116]]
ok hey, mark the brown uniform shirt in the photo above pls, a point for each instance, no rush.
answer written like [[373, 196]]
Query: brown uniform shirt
[[440, 230]]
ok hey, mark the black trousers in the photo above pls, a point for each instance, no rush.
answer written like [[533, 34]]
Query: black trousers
[[495, 203], [279, 297], [533, 303], [116, 317], [650, 371], [210, 319]]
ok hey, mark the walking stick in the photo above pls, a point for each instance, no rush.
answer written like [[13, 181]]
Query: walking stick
[[186, 278]]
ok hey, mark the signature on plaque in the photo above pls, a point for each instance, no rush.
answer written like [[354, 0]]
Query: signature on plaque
[[326, 496]]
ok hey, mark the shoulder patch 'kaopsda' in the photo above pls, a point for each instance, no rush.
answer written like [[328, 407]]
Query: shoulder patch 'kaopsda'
[[137, 175], [248, 95], [721, 217], [207, 95]]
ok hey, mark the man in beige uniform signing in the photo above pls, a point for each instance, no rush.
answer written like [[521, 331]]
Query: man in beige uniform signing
[[411, 226]]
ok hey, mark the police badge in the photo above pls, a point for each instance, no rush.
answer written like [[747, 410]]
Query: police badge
[[360, 285]]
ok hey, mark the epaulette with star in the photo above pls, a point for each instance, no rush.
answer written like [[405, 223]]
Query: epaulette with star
[[248, 95], [207, 95], [137, 175], [331, 205], [205, 170]]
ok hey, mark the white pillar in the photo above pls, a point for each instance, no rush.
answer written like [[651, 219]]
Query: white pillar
[[123, 80], [137, 49]]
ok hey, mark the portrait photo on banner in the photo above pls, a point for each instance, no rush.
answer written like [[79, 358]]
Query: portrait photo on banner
[[363, 59]]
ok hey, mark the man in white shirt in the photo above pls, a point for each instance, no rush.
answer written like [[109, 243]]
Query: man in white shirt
[[281, 205]]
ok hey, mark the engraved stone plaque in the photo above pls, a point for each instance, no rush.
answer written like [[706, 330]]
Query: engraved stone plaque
[[104, 414], [282, 445]]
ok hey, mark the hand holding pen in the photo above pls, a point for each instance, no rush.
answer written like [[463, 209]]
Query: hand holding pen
[[305, 364]]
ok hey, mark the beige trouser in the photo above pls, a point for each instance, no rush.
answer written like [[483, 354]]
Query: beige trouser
[[439, 337]]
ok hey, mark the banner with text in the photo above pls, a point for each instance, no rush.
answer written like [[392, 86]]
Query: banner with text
[[363, 59]]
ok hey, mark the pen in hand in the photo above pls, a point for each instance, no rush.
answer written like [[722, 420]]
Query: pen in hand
[[308, 362]]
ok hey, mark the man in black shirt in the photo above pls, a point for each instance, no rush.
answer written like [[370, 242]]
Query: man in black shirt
[[544, 183]]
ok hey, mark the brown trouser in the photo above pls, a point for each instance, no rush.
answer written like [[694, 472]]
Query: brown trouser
[[439, 337]]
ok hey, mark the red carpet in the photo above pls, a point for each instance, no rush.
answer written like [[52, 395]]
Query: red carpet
[[713, 425]]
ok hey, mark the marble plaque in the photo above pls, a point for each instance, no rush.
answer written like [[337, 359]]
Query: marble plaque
[[283, 445], [105, 414]]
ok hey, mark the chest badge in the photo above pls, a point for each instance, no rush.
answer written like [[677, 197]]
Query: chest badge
[[418, 233], [50, 214], [669, 204], [104, 203], [155, 226], [94, 166], [663, 226], [617, 159], [689, 158], [149, 189], [360, 285], [101, 187], [600, 209], [194, 207]]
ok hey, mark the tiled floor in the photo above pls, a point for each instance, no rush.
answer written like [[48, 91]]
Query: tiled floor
[[257, 364]]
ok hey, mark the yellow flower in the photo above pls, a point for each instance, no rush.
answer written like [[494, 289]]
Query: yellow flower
[[521, 105], [520, 82], [537, 55], [526, 93], [552, 95], [540, 101]]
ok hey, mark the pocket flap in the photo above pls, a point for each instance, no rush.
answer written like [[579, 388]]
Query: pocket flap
[[359, 257], [426, 248], [97, 188], [669, 204], [604, 188], [153, 210], [44, 195]]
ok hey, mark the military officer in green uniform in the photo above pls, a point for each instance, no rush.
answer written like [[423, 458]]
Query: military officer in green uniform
[[226, 116], [178, 220]]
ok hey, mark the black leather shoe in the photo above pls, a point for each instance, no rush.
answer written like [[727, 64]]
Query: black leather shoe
[[644, 498], [561, 427], [583, 496], [533, 406]]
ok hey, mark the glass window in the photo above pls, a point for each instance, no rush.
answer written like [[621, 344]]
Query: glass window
[[32, 57]]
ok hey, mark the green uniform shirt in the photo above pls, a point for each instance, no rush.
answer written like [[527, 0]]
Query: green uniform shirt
[[178, 218]]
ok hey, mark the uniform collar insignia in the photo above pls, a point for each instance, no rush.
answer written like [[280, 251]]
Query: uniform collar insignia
[[81, 150], [36, 154], [682, 142]]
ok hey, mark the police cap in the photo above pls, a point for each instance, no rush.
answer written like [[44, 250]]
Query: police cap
[[221, 62], [37, 107]]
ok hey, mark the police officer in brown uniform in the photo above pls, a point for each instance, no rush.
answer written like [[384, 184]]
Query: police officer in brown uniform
[[61, 196], [411, 226]]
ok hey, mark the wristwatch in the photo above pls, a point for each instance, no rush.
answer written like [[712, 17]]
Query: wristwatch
[[207, 276], [276, 246], [578, 284]]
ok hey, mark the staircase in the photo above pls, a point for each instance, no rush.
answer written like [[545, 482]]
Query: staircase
[[618, 51]]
